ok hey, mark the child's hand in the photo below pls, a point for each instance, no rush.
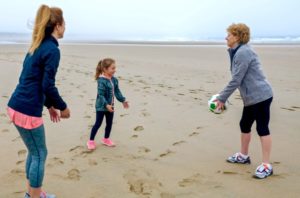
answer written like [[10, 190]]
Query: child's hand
[[110, 108], [126, 104], [54, 115]]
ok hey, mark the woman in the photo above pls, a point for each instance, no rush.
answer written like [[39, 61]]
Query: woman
[[36, 89], [256, 93]]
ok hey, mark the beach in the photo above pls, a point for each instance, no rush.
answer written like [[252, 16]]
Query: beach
[[168, 143]]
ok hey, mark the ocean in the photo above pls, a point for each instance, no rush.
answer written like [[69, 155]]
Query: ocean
[[25, 38]]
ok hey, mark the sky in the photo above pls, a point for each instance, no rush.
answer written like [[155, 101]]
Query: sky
[[159, 19]]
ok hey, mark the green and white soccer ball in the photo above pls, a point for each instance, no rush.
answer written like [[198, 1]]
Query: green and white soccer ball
[[212, 105]]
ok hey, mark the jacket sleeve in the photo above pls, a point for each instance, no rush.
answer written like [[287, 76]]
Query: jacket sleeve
[[239, 69], [118, 92], [51, 62], [101, 93]]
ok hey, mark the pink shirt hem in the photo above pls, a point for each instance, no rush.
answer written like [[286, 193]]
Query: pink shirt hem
[[24, 121]]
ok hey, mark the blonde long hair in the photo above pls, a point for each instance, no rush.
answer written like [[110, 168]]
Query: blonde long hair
[[45, 21]]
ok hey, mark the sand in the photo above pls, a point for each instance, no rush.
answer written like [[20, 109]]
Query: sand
[[168, 144]]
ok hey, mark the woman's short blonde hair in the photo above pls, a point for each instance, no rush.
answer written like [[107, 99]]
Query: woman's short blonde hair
[[240, 30]]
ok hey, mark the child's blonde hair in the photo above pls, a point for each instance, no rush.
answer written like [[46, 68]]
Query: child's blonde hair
[[103, 64]]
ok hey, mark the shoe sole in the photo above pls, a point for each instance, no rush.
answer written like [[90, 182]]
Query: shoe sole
[[108, 145], [248, 162]]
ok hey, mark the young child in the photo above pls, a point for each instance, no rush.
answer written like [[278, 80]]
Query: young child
[[108, 89]]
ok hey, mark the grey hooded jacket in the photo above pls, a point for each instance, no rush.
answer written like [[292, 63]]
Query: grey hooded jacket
[[247, 76]]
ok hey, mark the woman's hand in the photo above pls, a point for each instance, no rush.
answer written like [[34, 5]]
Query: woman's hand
[[65, 113], [220, 105], [110, 108], [54, 115], [126, 104]]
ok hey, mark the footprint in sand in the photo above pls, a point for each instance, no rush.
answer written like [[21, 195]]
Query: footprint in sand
[[288, 109], [144, 150], [189, 181], [18, 171], [16, 139], [22, 152], [20, 162], [142, 182], [229, 172], [276, 163], [178, 143], [5, 130], [74, 174], [123, 115], [198, 179], [166, 195], [165, 154], [87, 117], [80, 151], [18, 193], [55, 161], [139, 128], [145, 114], [134, 136], [93, 162], [194, 134]]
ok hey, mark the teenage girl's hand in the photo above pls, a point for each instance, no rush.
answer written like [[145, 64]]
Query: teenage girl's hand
[[220, 105], [110, 108], [65, 113], [126, 104], [54, 114]]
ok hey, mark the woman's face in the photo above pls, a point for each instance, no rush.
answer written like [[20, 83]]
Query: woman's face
[[60, 29], [231, 40]]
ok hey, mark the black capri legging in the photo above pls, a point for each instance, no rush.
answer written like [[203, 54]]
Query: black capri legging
[[260, 113]]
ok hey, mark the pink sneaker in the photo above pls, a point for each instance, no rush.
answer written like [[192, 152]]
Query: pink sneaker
[[91, 145], [108, 142]]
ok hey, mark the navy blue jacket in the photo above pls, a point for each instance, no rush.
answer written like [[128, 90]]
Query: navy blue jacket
[[36, 86]]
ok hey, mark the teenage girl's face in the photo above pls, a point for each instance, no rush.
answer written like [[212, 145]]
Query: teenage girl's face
[[60, 29], [110, 71], [231, 40]]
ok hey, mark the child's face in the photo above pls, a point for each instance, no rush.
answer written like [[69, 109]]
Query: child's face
[[111, 70]]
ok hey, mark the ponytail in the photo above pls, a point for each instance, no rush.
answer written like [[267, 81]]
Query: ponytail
[[41, 20], [46, 20], [98, 70]]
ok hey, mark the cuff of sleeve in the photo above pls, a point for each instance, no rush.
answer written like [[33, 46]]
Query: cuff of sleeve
[[221, 99], [63, 106]]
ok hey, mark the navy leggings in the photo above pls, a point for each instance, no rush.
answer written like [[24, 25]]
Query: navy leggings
[[99, 119]]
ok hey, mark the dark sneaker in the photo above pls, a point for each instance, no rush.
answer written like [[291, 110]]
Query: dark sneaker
[[238, 158], [263, 171]]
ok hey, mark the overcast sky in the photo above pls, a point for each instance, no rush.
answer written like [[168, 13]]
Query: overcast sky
[[160, 19]]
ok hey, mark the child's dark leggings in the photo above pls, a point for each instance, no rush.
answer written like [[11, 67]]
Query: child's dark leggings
[[99, 118]]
